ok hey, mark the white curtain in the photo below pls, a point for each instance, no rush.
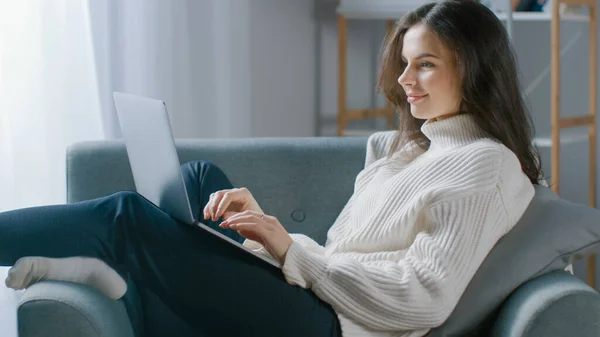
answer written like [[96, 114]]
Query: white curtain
[[60, 61], [193, 54], [48, 97]]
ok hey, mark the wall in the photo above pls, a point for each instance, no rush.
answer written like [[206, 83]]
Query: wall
[[265, 73], [282, 67]]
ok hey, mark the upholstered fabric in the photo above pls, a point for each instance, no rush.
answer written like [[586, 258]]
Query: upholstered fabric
[[550, 305], [52, 309], [300, 181]]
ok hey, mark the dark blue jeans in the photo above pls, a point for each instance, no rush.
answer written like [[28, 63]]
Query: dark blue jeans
[[188, 281]]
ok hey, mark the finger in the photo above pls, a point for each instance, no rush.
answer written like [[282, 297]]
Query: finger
[[240, 217], [241, 226], [216, 200], [211, 206], [246, 226], [257, 216], [208, 209], [228, 197]]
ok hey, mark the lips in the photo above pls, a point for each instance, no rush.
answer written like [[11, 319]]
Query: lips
[[413, 98]]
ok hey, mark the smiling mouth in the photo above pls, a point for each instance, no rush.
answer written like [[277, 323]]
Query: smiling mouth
[[415, 99]]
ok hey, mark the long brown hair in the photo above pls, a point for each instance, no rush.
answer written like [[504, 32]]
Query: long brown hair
[[487, 69]]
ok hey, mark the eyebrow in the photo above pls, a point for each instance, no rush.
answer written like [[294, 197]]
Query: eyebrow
[[424, 55]]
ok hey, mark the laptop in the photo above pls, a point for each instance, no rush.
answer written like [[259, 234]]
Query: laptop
[[155, 164]]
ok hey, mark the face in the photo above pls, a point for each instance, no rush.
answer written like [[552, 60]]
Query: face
[[430, 80]]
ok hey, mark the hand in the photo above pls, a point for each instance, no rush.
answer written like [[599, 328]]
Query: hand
[[226, 203], [264, 229]]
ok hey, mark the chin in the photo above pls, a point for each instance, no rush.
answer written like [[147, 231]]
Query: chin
[[419, 113]]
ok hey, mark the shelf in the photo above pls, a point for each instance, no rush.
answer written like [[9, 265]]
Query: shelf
[[567, 137], [542, 16], [394, 12]]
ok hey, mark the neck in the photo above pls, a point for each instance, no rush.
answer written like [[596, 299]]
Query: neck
[[442, 117]]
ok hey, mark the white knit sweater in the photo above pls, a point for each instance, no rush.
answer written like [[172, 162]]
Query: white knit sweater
[[417, 227]]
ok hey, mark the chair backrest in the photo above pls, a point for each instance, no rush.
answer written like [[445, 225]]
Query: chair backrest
[[304, 182]]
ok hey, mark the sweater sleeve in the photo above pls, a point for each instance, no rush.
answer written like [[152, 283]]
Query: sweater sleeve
[[421, 289]]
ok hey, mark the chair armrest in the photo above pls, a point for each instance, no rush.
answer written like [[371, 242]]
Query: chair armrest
[[70, 310], [556, 304]]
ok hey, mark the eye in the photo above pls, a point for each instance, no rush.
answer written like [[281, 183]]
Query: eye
[[426, 64]]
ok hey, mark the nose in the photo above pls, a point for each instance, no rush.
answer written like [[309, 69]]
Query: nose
[[408, 77]]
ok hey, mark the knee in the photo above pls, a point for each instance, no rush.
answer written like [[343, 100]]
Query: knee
[[128, 197], [127, 205], [200, 164], [201, 168]]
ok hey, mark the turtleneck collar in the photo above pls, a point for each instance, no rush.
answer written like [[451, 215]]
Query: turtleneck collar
[[452, 132]]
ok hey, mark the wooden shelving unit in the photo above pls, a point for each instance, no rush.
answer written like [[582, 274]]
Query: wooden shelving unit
[[392, 10], [344, 114], [589, 120]]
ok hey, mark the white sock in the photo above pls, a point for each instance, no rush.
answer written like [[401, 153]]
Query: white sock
[[85, 270]]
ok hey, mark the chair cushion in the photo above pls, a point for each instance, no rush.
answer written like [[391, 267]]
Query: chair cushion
[[556, 304], [52, 308], [551, 233]]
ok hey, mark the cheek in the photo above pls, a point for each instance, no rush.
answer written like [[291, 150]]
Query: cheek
[[440, 84], [427, 80]]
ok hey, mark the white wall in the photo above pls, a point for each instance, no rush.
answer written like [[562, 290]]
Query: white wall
[[231, 75], [283, 67]]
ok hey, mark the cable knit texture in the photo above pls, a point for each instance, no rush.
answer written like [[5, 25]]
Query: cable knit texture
[[415, 230]]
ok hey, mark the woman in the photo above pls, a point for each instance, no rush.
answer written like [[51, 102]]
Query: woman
[[457, 176]]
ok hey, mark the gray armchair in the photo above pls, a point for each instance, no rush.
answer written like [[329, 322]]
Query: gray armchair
[[553, 304]]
